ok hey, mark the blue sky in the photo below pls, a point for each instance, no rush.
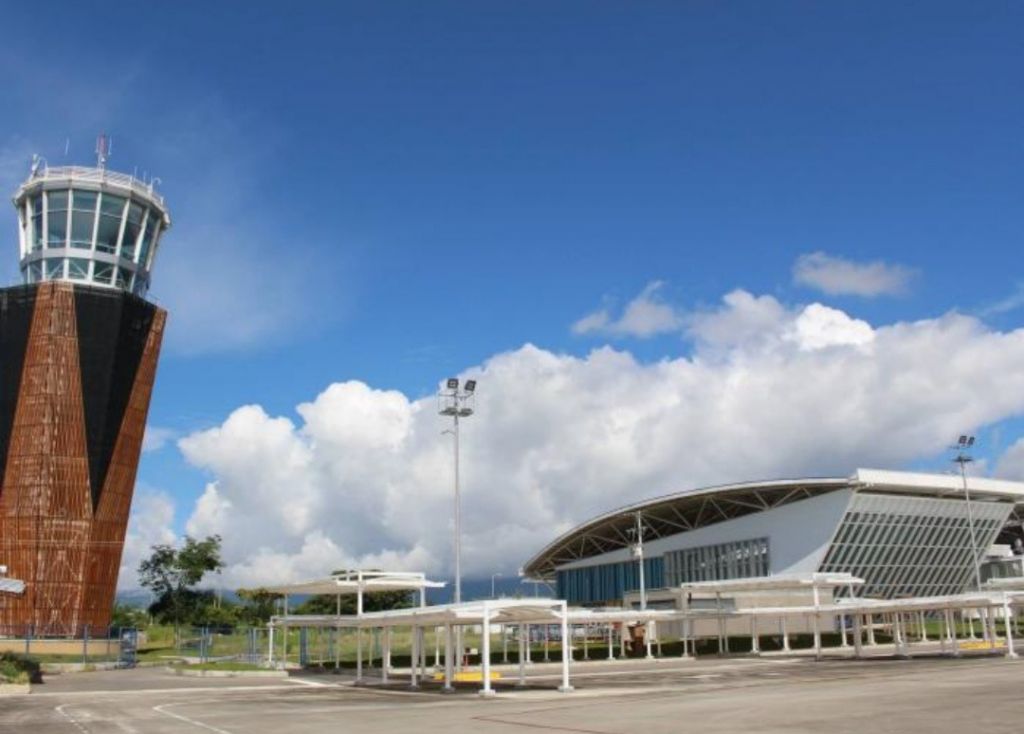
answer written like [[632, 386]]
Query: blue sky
[[392, 192]]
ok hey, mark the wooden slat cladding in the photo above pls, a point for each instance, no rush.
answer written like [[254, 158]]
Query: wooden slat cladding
[[50, 535], [111, 518]]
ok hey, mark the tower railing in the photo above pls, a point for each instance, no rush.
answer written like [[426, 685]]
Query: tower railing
[[96, 175]]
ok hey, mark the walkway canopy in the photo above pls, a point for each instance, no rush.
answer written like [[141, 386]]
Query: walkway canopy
[[358, 583]]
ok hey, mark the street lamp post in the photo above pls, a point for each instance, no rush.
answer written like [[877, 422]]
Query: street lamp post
[[963, 458]]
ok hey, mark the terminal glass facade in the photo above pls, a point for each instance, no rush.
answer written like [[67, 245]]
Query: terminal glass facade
[[912, 546], [736, 560], [606, 583]]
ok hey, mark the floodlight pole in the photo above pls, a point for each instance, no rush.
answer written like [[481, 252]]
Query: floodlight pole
[[458, 513], [455, 401], [639, 551], [963, 459]]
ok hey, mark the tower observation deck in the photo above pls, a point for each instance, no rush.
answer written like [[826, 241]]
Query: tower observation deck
[[89, 225], [79, 346]]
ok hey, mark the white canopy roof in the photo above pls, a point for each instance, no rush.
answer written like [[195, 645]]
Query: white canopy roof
[[354, 582], [499, 611], [780, 582]]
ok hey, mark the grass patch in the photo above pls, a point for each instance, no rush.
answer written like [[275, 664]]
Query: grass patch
[[16, 668]]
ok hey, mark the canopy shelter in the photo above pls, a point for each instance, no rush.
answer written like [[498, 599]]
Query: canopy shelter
[[780, 584], [450, 617], [898, 613], [358, 583], [503, 613]]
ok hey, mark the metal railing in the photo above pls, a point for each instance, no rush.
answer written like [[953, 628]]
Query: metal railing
[[96, 175]]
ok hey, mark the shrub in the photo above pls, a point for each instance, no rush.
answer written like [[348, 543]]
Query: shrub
[[16, 668]]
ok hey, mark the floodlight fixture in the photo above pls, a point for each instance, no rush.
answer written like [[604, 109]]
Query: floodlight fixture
[[470, 385], [961, 442], [970, 440], [453, 383]]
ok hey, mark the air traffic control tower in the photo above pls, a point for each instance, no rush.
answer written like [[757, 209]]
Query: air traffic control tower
[[78, 353]]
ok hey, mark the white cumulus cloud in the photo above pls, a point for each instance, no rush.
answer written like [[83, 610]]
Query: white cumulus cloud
[[1011, 463], [838, 276], [363, 477], [645, 316]]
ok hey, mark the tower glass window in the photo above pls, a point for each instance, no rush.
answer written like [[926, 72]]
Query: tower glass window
[[54, 268], [78, 268], [109, 228], [83, 218], [36, 238], [132, 226], [102, 273], [56, 218]]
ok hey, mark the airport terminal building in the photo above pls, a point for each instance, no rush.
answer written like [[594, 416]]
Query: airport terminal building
[[905, 534]]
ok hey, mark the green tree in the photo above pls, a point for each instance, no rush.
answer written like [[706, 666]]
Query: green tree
[[172, 575], [257, 605], [126, 615]]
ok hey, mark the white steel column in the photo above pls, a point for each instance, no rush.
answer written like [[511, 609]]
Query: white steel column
[[754, 644], [586, 647], [336, 636], [414, 658], [924, 628], [842, 631], [871, 630], [485, 652], [547, 635], [359, 654], [1010, 651], [449, 663], [528, 645], [858, 643], [817, 621], [566, 649], [951, 626], [385, 654], [611, 641], [523, 646], [270, 645], [504, 644], [785, 634]]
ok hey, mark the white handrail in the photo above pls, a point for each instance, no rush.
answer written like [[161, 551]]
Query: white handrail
[[97, 175]]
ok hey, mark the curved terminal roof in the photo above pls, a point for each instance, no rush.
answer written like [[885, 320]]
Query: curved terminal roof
[[696, 508]]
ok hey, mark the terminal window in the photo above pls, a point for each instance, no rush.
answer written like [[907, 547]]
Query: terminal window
[[736, 560]]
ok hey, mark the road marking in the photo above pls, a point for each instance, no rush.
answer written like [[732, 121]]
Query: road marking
[[160, 710], [78, 725], [313, 683]]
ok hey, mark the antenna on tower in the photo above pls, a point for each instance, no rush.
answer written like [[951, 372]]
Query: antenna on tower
[[102, 150]]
